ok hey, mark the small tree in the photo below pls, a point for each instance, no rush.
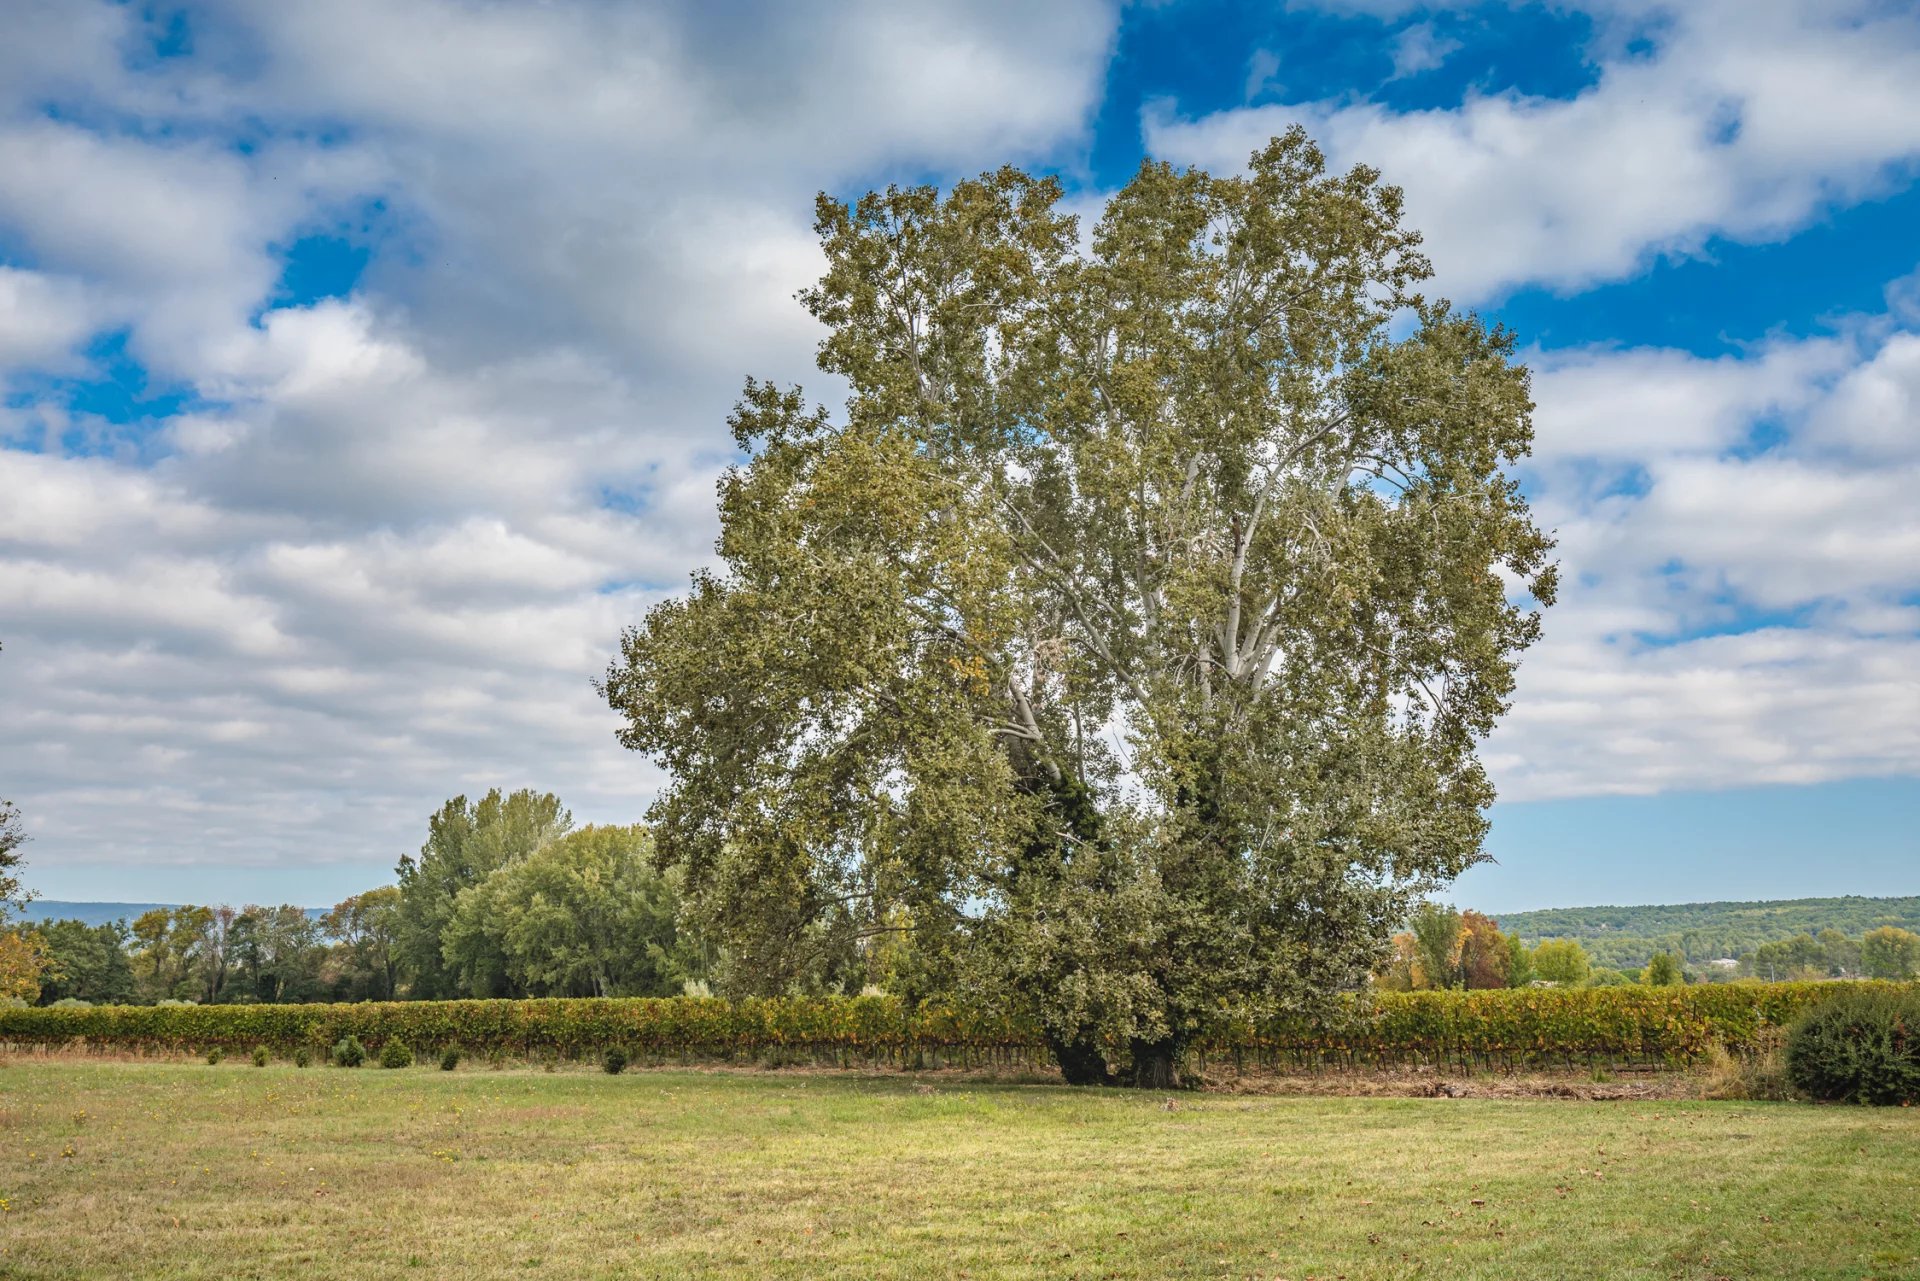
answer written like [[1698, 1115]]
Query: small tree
[[1800, 957], [1890, 953], [1436, 943], [1485, 961], [1519, 962], [24, 962], [1664, 971], [1843, 953], [1561, 961]]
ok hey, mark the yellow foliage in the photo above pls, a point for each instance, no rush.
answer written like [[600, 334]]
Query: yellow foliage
[[24, 962]]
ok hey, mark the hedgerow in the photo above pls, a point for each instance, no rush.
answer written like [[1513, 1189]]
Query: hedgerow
[[1528, 1027]]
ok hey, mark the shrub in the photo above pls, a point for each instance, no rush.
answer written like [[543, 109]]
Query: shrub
[[302, 1056], [1859, 1047], [449, 1059], [1497, 1029], [348, 1052], [216, 1054], [614, 1062], [261, 1056], [395, 1054]]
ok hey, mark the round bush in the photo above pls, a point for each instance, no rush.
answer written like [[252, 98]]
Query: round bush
[[449, 1059], [394, 1054], [216, 1054], [302, 1056], [1858, 1047], [615, 1061], [260, 1056], [348, 1052]]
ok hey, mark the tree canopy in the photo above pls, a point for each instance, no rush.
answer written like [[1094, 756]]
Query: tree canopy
[[1127, 640], [585, 915], [466, 842]]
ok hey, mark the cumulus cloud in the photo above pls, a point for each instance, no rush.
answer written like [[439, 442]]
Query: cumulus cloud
[[1746, 121], [1736, 612], [373, 547], [382, 543], [1740, 543]]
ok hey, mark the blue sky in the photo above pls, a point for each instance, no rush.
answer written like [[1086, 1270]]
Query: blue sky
[[364, 367]]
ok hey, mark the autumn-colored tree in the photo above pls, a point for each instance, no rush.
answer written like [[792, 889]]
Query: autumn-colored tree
[[1484, 959], [176, 955], [24, 963]]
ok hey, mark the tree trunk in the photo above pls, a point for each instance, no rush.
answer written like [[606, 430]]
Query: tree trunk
[[1081, 1061], [1153, 1065]]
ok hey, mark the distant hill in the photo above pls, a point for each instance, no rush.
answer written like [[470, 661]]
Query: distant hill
[[53, 909], [1625, 937], [1620, 937]]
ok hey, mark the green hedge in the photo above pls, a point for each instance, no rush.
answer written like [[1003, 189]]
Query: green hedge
[[1529, 1027]]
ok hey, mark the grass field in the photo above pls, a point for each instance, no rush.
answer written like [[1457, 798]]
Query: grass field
[[150, 1170]]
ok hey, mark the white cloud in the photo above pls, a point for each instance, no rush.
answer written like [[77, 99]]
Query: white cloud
[[382, 554], [1748, 120], [1732, 615], [43, 319], [1419, 48], [383, 551]]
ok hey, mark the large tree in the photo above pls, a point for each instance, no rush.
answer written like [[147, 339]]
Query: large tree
[[1127, 641], [179, 953], [367, 926], [277, 953], [466, 842], [89, 963], [587, 915]]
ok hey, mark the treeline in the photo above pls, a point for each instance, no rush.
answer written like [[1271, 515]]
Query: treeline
[[505, 899], [1703, 933], [1444, 948]]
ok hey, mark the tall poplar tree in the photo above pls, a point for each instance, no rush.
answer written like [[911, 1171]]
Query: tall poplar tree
[[1125, 644], [466, 842]]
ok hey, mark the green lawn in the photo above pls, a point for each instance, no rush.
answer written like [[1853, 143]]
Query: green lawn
[[184, 1170]]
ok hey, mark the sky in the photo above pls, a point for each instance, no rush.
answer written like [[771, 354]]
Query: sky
[[364, 370]]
